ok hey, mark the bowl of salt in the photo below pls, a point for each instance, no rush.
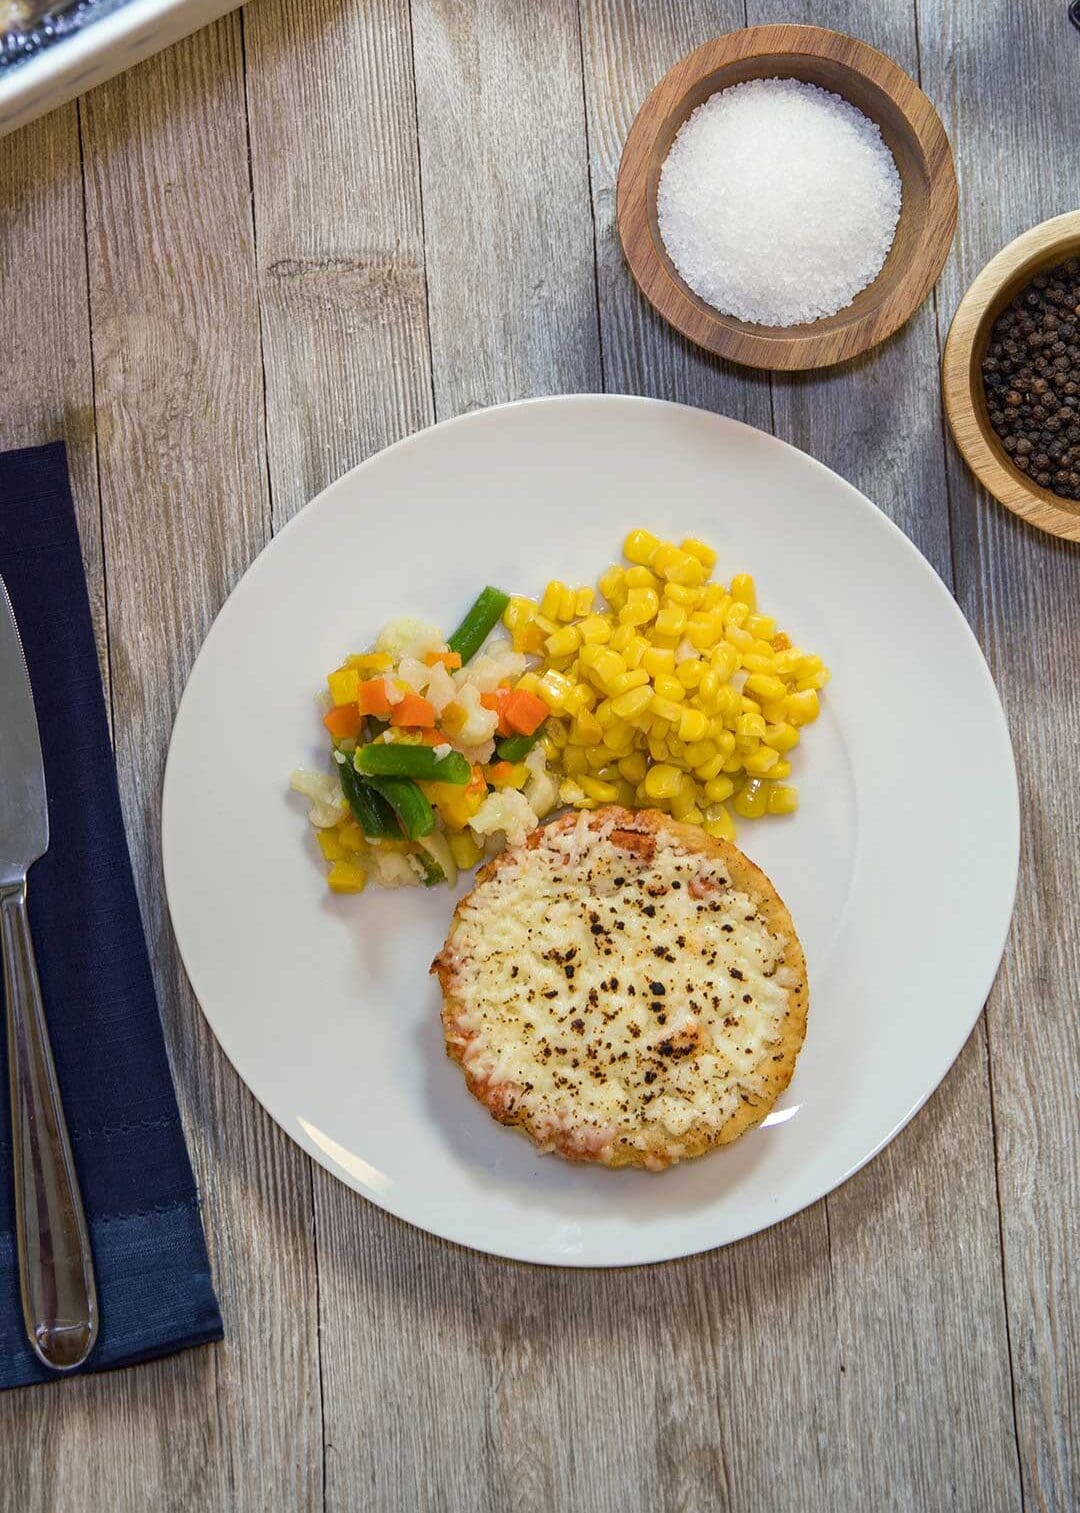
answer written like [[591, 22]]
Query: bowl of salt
[[786, 197]]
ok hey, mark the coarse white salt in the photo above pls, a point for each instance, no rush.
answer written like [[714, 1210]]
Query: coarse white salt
[[778, 201]]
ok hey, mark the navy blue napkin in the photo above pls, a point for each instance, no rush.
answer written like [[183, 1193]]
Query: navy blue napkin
[[154, 1287]]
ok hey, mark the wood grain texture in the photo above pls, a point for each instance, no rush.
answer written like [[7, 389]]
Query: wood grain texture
[[507, 226], [1045, 246], [1019, 590], [335, 178], [869, 80], [180, 432], [926, 1389]]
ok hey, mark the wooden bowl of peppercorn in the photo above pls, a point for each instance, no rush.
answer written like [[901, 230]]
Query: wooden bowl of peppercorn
[[1011, 376]]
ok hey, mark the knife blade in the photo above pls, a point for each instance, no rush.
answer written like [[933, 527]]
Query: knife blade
[[56, 1269], [24, 811]]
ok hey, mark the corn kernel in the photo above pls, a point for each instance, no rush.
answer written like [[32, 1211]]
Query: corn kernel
[[781, 771], [634, 767], [640, 607], [565, 642], [346, 877], [598, 757], [612, 587], [786, 663], [700, 751], [692, 725], [639, 547], [684, 802], [782, 736], [704, 629], [596, 788], [704, 554], [551, 598], [813, 680], [733, 763], [803, 708], [773, 711], [669, 688], [607, 666], [752, 799], [640, 577], [568, 604], [574, 760], [708, 770], [584, 598], [586, 730], [636, 648], [553, 688], [344, 685], [627, 680], [580, 697], [519, 611], [658, 660], [663, 781], [595, 629], [619, 738], [679, 567], [571, 792], [743, 591], [666, 709], [721, 826], [671, 620], [621, 637], [749, 726], [724, 661], [718, 789], [764, 687], [762, 626], [629, 705], [330, 845], [678, 593], [605, 714], [783, 799], [761, 760]]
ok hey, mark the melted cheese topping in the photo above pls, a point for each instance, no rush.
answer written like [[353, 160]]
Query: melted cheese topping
[[616, 1000]]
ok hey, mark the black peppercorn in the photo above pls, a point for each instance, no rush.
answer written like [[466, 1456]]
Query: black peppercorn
[[1031, 379]]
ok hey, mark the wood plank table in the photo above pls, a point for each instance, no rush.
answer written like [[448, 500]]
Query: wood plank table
[[237, 270]]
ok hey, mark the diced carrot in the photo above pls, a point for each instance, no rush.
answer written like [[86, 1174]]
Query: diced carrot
[[451, 660], [500, 772], [343, 721], [413, 710], [431, 737], [372, 698], [524, 713], [496, 702]]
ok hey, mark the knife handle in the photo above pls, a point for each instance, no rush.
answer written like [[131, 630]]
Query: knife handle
[[56, 1270]]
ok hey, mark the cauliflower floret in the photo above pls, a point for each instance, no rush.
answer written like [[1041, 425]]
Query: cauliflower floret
[[417, 674], [441, 689], [328, 806], [498, 664], [480, 724], [540, 789], [508, 811], [393, 869], [409, 637]]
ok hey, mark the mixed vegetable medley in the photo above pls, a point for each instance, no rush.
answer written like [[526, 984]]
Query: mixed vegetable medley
[[674, 693]]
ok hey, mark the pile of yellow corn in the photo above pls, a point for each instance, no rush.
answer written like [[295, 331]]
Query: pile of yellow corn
[[678, 696]]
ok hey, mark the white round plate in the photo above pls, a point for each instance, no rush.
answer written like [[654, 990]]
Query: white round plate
[[899, 868]]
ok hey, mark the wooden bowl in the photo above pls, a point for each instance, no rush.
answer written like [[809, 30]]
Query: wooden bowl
[[913, 132], [1001, 280]]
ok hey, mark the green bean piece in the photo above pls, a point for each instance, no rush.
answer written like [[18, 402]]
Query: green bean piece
[[408, 803], [515, 748], [401, 759], [478, 623], [433, 873], [371, 811]]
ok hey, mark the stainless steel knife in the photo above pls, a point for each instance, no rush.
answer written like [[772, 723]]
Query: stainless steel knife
[[56, 1270]]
